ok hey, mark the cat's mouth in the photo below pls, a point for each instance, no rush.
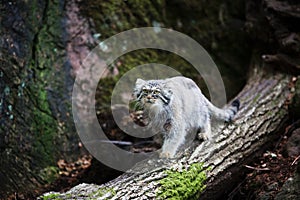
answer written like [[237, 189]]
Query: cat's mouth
[[150, 101]]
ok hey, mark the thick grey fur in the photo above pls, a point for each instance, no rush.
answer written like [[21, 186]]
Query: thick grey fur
[[178, 108]]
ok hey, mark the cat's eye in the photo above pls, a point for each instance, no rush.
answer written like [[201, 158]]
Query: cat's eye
[[156, 92], [145, 90]]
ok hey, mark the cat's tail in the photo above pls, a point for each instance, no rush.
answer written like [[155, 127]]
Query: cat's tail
[[226, 114]]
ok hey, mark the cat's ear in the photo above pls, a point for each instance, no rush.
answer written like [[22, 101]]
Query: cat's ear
[[138, 86], [170, 92], [139, 82]]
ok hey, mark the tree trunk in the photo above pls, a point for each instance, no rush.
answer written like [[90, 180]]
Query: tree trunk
[[36, 82], [264, 109]]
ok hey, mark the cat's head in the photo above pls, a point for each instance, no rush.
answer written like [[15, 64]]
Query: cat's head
[[150, 92]]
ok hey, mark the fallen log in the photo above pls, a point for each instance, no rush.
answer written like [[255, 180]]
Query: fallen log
[[208, 169]]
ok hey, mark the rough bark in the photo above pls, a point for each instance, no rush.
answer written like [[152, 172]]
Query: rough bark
[[263, 111], [36, 129], [18, 104]]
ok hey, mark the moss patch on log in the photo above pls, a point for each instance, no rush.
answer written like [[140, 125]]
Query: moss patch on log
[[186, 184], [53, 196]]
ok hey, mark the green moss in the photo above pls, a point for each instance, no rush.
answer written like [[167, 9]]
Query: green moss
[[44, 125], [53, 196], [49, 174], [186, 184], [45, 128]]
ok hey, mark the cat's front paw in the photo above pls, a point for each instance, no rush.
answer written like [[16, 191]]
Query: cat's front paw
[[139, 118], [204, 136], [164, 155]]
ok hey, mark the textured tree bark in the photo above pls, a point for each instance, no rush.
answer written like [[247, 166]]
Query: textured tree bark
[[18, 104], [35, 125], [264, 109]]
